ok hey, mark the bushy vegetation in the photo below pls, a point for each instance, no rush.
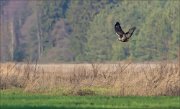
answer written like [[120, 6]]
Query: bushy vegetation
[[80, 30], [122, 79]]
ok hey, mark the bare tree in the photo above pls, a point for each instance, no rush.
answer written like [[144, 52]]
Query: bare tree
[[38, 31], [12, 35]]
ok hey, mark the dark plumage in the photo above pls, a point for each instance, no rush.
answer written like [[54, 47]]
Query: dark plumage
[[123, 37]]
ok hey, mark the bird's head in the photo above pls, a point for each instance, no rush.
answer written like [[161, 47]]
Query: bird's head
[[117, 23]]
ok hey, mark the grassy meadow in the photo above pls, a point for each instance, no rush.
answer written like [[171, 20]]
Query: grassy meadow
[[18, 99], [96, 85]]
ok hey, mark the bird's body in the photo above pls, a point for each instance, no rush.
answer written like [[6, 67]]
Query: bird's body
[[123, 37]]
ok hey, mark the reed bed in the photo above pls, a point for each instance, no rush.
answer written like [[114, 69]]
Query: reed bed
[[118, 79]]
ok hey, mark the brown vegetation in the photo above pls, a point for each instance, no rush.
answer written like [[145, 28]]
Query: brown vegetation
[[90, 79]]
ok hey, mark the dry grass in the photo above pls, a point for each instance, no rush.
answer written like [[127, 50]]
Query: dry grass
[[88, 79]]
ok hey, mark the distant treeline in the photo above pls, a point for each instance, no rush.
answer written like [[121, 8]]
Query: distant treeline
[[83, 30]]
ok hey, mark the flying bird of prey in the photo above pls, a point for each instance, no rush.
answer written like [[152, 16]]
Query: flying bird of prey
[[123, 37]]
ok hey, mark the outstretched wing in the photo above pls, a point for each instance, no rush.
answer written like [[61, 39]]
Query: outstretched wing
[[118, 29], [130, 32]]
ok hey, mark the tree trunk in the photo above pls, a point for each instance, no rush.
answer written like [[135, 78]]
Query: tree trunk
[[12, 38], [1, 34], [38, 32]]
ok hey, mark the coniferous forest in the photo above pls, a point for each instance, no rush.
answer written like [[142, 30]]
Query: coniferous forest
[[83, 30]]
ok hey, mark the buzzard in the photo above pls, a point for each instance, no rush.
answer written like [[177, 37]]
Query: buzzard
[[123, 37]]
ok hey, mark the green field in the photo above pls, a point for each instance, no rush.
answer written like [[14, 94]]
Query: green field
[[18, 99]]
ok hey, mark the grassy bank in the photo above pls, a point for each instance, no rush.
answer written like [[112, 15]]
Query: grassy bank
[[17, 99]]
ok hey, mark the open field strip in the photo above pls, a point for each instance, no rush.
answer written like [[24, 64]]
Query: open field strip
[[17, 99]]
